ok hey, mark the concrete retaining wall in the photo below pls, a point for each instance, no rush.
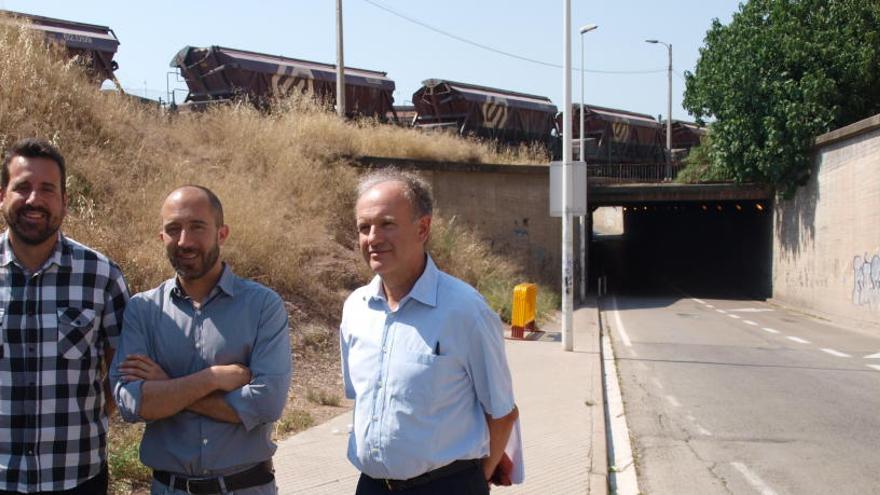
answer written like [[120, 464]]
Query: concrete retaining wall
[[827, 238]]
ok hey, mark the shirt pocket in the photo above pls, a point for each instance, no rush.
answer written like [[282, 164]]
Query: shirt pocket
[[76, 334], [418, 377]]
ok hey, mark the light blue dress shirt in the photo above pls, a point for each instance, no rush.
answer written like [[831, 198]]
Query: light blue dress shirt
[[240, 321], [423, 377]]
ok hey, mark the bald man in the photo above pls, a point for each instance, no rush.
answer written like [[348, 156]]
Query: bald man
[[205, 361]]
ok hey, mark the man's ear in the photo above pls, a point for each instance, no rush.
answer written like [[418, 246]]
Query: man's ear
[[424, 228], [222, 234]]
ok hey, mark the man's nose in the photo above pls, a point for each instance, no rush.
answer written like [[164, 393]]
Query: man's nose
[[185, 239]]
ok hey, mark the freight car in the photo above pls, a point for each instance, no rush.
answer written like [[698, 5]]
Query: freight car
[[92, 45], [468, 109], [217, 73], [613, 135]]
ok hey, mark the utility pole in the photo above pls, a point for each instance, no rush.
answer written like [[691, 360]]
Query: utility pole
[[668, 107], [567, 264], [340, 64], [584, 219]]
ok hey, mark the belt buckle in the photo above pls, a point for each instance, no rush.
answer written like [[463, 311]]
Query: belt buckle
[[195, 482]]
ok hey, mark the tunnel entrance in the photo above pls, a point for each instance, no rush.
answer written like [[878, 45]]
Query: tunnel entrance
[[703, 249]]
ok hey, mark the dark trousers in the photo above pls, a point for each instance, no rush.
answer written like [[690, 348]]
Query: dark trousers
[[469, 482], [94, 486]]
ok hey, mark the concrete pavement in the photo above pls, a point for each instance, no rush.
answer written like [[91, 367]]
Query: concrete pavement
[[559, 395]]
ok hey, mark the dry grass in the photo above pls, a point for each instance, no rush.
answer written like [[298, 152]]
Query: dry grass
[[286, 188]]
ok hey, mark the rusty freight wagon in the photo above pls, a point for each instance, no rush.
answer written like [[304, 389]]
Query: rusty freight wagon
[[216, 73], [612, 135], [93, 46], [492, 113]]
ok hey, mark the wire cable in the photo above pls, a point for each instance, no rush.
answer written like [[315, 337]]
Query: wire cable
[[499, 51]]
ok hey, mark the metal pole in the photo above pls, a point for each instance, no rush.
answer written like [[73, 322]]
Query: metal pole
[[340, 64], [567, 301], [669, 115], [582, 220]]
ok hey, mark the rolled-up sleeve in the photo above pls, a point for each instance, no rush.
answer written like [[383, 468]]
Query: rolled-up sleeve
[[487, 364], [128, 395], [263, 399]]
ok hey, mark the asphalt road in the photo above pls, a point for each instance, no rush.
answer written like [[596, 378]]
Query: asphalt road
[[732, 396]]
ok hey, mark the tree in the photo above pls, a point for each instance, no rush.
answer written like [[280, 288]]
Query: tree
[[781, 73]]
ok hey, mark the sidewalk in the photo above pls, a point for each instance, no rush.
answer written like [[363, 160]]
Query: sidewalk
[[559, 395]]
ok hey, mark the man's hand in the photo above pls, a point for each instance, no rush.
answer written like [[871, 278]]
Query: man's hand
[[230, 376], [140, 367]]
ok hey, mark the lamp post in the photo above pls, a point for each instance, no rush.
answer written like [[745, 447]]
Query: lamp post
[[567, 264], [669, 101], [340, 65], [583, 156]]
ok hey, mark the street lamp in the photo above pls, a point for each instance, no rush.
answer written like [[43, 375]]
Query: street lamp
[[340, 64], [669, 101], [583, 156]]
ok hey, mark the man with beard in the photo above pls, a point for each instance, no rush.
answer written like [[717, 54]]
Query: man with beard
[[61, 306], [205, 361]]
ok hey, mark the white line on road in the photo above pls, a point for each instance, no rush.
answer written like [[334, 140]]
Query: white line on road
[[798, 340], [835, 353], [751, 310], [721, 311], [622, 465], [873, 356], [698, 300], [703, 431], [710, 306], [619, 323], [735, 317], [750, 322], [873, 366], [672, 400], [753, 479], [769, 330]]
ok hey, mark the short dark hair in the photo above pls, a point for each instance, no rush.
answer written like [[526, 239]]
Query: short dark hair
[[216, 205], [415, 189], [33, 148]]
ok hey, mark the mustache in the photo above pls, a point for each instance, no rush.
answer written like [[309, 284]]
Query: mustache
[[28, 208]]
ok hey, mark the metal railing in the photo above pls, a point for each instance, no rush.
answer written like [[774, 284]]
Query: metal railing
[[634, 172]]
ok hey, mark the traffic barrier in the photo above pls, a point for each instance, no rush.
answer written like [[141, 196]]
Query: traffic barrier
[[522, 316]]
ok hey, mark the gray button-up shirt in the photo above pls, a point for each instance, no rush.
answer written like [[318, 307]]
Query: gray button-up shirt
[[240, 321]]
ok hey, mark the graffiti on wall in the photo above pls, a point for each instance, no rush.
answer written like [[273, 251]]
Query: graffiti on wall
[[866, 280]]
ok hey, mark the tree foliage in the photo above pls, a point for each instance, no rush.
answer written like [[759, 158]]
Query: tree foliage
[[781, 73]]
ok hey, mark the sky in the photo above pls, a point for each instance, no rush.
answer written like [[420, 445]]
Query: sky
[[622, 70]]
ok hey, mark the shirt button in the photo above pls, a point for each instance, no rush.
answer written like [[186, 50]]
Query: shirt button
[[30, 452], [375, 418], [204, 441]]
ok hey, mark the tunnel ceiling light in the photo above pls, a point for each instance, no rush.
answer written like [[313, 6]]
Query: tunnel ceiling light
[[739, 208], [759, 206], [718, 207], [704, 207]]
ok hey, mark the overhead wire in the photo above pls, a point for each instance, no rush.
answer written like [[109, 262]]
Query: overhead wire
[[497, 50]]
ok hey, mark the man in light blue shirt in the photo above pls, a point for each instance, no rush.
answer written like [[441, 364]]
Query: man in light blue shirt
[[422, 356], [205, 361]]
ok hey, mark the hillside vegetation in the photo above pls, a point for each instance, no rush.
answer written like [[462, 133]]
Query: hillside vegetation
[[286, 188]]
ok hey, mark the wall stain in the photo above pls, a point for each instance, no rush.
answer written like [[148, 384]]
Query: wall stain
[[866, 280]]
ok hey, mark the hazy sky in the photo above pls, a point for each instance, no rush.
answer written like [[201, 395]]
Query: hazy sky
[[152, 32]]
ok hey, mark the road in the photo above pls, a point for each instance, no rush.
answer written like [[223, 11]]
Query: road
[[738, 396]]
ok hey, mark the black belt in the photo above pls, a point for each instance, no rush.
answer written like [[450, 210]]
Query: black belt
[[258, 475], [439, 473]]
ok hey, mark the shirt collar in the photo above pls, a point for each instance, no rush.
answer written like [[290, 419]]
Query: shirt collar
[[226, 284], [424, 290], [59, 256]]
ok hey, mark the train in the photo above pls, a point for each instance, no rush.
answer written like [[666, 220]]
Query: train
[[216, 74]]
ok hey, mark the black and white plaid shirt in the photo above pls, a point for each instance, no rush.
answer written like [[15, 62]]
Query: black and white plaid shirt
[[55, 325]]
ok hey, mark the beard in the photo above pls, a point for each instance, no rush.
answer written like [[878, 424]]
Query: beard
[[195, 268], [28, 231]]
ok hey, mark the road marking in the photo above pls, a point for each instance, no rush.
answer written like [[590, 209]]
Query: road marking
[[672, 400], [750, 322], [621, 466], [657, 383], [751, 310], [698, 300], [770, 330], [798, 340], [873, 356], [753, 479], [710, 306], [721, 311], [873, 367], [619, 323], [735, 317], [835, 353]]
